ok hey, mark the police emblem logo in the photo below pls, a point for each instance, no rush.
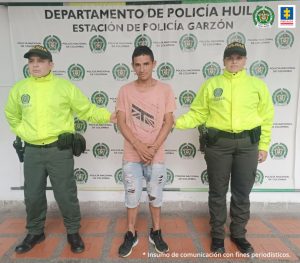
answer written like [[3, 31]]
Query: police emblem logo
[[143, 40], [98, 44], [286, 16], [76, 72], [281, 97], [204, 177], [259, 177], [187, 151], [236, 37], [211, 69], [263, 16], [80, 125], [52, 43], [186, 98], [25, 99], [259, 69], [165, 71], [101, 151], [121, 72], [188, 42], [81, 175], [100, 98], [284, 39], [170, 177], [119, 176], [26, 72], [278, 151], [218, 92]]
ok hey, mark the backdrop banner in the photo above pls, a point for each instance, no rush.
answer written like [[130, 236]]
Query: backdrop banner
[[92, 47]]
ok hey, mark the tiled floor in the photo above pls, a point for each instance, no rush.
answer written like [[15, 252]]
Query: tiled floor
[[274, 237]]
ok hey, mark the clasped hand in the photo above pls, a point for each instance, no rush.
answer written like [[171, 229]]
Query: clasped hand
[[146, 151]]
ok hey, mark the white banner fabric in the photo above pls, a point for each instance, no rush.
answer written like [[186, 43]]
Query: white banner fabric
[[92, 47]]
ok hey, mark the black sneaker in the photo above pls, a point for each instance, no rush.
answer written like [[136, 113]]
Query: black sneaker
[[130, 241], [217, 245], [155, 238], [243, 245]]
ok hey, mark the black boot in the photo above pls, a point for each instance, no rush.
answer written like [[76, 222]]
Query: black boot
[[77, 245], [217, 246], [243, 245], [29, 242]]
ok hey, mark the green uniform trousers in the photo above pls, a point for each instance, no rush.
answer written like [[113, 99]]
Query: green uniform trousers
[[59, 165], [233, 160]]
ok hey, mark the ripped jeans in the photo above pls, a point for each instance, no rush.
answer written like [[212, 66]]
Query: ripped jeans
[[133, 175]]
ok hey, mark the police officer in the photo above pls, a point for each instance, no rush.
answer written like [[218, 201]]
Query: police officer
[[39, 110], [238, 112]]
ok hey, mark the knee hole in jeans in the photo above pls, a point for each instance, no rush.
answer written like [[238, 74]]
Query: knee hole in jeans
[[151, 198]]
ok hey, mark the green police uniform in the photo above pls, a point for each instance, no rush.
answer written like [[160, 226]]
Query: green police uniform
[[39, 110], [231, 105]]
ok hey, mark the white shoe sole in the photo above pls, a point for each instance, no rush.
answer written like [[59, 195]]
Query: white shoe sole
[[160, 252], [134, 244]]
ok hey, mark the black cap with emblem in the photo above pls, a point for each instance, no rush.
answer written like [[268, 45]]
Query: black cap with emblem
[[39, 51], [235, 48]]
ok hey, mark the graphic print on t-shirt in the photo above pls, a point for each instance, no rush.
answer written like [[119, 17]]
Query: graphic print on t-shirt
[[142, 115]]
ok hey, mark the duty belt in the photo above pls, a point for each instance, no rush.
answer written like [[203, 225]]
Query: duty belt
[[53, 144], [230, 135]]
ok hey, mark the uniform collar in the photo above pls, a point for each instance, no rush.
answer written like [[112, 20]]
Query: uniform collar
[[230, 75], [42, 79]]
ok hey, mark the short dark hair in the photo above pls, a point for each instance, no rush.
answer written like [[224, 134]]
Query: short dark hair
[[142, 50]]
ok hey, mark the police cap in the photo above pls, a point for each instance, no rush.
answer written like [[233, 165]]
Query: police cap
[[235, 48], [39, 51]]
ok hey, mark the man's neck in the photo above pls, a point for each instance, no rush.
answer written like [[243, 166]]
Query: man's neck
[[145, 84]]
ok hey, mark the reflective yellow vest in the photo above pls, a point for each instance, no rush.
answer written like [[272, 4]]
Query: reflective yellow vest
[[233, 103], [39, 109]]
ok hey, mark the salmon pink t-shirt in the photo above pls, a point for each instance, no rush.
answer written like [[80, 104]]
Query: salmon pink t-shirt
[[144, 113]]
